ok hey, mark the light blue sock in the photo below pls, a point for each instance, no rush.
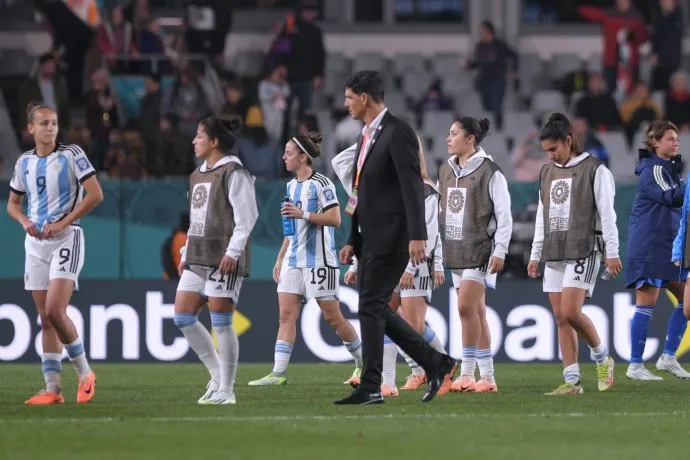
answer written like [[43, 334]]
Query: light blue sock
[[432, 339], [199, 339], [51, 365], [228, 349], [77, 355], [469, 360], [281, 357], [639, 328], [677, 324], [355, 349]]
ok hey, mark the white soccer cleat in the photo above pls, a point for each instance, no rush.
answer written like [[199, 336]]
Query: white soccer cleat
[[639, 372], [221, 398], [671, 365], [211, 387]]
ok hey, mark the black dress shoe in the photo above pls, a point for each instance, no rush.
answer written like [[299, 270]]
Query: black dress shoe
[[443, 376], [361, 398]]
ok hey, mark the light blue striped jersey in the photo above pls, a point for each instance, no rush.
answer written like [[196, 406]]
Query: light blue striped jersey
[[52, 184], [312, 245]]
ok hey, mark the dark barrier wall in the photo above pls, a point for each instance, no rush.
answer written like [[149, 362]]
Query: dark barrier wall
[[132, 321]]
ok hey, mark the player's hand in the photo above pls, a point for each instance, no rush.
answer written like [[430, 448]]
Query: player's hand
[[276, 271], [290, 210], [346, 254], [350, 278], [614, 266], [417, 252], [495, 265], [533, 269], [439, 279], [54, 229], [30, 228], [227, 265], [180, 267], [407, 281]]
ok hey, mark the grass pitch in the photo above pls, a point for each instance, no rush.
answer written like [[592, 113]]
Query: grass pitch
[[150, 411]]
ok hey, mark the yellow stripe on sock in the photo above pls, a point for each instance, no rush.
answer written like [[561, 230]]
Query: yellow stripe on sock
[[685, 343]]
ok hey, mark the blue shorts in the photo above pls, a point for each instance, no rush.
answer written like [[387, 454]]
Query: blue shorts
[[655, 282]]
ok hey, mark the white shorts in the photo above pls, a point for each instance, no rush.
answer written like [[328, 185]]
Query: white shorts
[[580, 274], [61, 257], [209, 282], [422, 287], [478, 275], [310, 283]]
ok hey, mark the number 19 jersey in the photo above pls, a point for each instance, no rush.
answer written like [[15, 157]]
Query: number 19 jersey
[[312, 245]]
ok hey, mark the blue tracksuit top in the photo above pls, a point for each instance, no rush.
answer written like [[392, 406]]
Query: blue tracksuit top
[[654, 219]]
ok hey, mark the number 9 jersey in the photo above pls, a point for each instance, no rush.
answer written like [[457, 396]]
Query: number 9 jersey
[[53, 188]]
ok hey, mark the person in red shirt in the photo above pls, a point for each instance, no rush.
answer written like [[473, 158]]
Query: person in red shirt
[[623, 32]]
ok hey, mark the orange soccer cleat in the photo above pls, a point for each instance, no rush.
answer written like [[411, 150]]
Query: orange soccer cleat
[[45, 398], [414, 382], [464, 384], [87, 388]]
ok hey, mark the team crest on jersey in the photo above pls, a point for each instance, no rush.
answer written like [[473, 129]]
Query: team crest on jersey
[[200, 196], [328, 194], [559, 208]]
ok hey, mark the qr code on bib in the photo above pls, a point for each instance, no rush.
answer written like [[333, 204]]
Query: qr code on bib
[[453, 232], [196, 229]]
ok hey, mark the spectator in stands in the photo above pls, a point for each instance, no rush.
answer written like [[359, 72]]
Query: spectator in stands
[[125, 158], [346, 131], [308, 123], [432, 100], [186, 101], [86, 10], [598, 107], [528, 158], [307, 57], [678, 101], [259, 154], [274, 93], [623, 32], [101, 117], [48, 88], [115, 37], [150, 111], [170, 251], [138, 14], [638, 109], [588, 141], [208, 24], [497, 63], [574, 82], [236, 103], [173, 154], [151, 43], [667, 44]]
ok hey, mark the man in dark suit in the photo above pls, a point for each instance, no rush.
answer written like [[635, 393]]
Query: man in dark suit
[[388, 229]]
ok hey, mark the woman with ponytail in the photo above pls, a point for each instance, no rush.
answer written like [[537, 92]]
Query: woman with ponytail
[[215, 259], [307, 264], [575, 227], [476, 224]]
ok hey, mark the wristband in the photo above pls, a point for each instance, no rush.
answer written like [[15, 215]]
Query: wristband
[[306, 215]]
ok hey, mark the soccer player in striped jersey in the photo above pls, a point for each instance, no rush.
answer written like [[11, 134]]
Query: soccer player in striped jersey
[[215, 260], [53, 177], [307, 264], [413, 294]]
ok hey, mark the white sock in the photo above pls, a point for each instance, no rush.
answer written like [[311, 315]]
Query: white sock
[[571, 374], [228, 349], [599, 353], [486, 364], [390, 355], [355, 349], [281, 357], [51, 364], [75, 351], [200, 341], [469, 361], [432, 339], [416, 368]]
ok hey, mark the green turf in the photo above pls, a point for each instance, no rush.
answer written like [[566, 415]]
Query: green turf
[[150, 411]]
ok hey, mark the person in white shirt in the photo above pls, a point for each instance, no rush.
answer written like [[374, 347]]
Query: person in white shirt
[[215, 259], [53, 178], [477, 224], [412, 296], [575, 227], [307, 264]]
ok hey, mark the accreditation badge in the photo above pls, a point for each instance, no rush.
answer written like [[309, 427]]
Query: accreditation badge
[[351, 203]]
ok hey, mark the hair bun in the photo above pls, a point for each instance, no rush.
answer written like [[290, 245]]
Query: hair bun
[[316, 138], [558, 118], [484, 125]]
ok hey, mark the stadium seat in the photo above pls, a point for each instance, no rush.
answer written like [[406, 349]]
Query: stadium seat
[[445, 64], [369, 61], [621, 163], [435, 124], [337, 63], [457, 82], [416, 83], [594, 63], [547, 101], [516, 125], [404, 63], [562, 64], [495, 145], [130, 89], [16, 62], [530, 73], [248, 63]]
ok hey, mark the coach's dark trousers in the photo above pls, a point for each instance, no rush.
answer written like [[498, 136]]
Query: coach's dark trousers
[[378, 276]]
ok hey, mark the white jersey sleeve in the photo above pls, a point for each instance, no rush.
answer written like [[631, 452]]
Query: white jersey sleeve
[[328, 197], [18, 184], [80, 163]]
